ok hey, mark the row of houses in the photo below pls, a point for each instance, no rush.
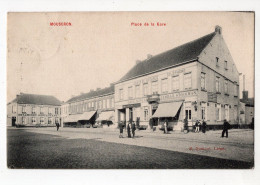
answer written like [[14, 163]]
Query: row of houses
[[197, 81]]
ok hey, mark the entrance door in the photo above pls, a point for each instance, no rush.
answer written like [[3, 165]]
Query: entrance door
[[13, 121], [131, 114]]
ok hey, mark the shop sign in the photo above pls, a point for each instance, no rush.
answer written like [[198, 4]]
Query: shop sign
[[176, 72], [153, 98], [139, 100], [178, 95], [212, 97], [132, 105]]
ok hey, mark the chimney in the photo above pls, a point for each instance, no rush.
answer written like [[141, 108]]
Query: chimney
[[245, 96], [149, 56], [137, 61], [218, 29]]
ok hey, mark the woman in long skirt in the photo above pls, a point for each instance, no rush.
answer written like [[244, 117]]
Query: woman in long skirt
[[129, 130]]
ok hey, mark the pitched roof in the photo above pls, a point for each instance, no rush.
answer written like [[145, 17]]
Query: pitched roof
[[36, 99], [91, 94], [180, 54]]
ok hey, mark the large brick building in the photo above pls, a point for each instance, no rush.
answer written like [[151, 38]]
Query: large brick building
[[197, 80], [33, 110]]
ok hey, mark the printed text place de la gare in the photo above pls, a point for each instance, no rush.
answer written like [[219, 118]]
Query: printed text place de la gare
[[148, 24]]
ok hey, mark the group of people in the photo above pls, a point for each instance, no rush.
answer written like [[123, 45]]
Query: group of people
[[199, 126], [130, 127]]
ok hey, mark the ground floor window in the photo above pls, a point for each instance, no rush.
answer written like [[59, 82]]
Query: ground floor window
[[33, 120], [42, 120], [56, 120], [227, 112], [23, 120], [218, 112], [146, 114], [204, 111], [49, 121], [188, 113]]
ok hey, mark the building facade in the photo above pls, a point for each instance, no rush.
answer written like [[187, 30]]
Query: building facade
[[197, 80], [88, 108], [33, 110]]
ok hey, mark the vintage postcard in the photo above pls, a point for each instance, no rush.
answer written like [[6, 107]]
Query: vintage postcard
[[130, 90]]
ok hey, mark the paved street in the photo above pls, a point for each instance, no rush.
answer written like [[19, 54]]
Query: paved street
[[102, 148]]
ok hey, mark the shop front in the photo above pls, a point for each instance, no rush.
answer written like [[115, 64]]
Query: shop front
[[106, 118], [169, 112]]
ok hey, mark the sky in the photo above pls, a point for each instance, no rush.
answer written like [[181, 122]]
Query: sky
[[100, 47]]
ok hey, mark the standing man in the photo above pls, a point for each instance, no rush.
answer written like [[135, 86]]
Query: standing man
[[57, 125], [165, 126], [133, 129], [197, 128], [129, 129], [204, 126], [226, 126], [121, 129]]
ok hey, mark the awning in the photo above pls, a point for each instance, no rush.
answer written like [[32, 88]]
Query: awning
[[107, 116], [87, 115], [72, 118], [167, 110]]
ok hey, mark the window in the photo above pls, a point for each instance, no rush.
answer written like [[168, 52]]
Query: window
[[112, 102], [13, 109], [49, 121], [42, 120], [121, 94], [204, 111], [56, 120], [130, 92], [145, 89], [146, 114], [218, 112], [137, 91], [164, 85], [226, 87], [92, 104], [33, 120], [23, 109], [203, 81], [155, 87], [99, 104], [187, 81], [175, 83], [104, 104], [56, 110], [33, 110], [235, 89], [227, 112], [41, 110], [108, 103], [217, 84], [23, 120], [226, 65], [217, 63], [188, 110]]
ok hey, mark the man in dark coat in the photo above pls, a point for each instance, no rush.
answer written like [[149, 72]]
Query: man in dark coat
[[57, 125], [204, 126], [226, 126], [133, 129], [129, 129], [121, 129]]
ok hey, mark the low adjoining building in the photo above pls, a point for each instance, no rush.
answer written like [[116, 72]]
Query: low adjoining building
[[33, 110], [246, 117], [89, 108]]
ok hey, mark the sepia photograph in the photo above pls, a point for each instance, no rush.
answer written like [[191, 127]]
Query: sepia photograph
[[130, 90]]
